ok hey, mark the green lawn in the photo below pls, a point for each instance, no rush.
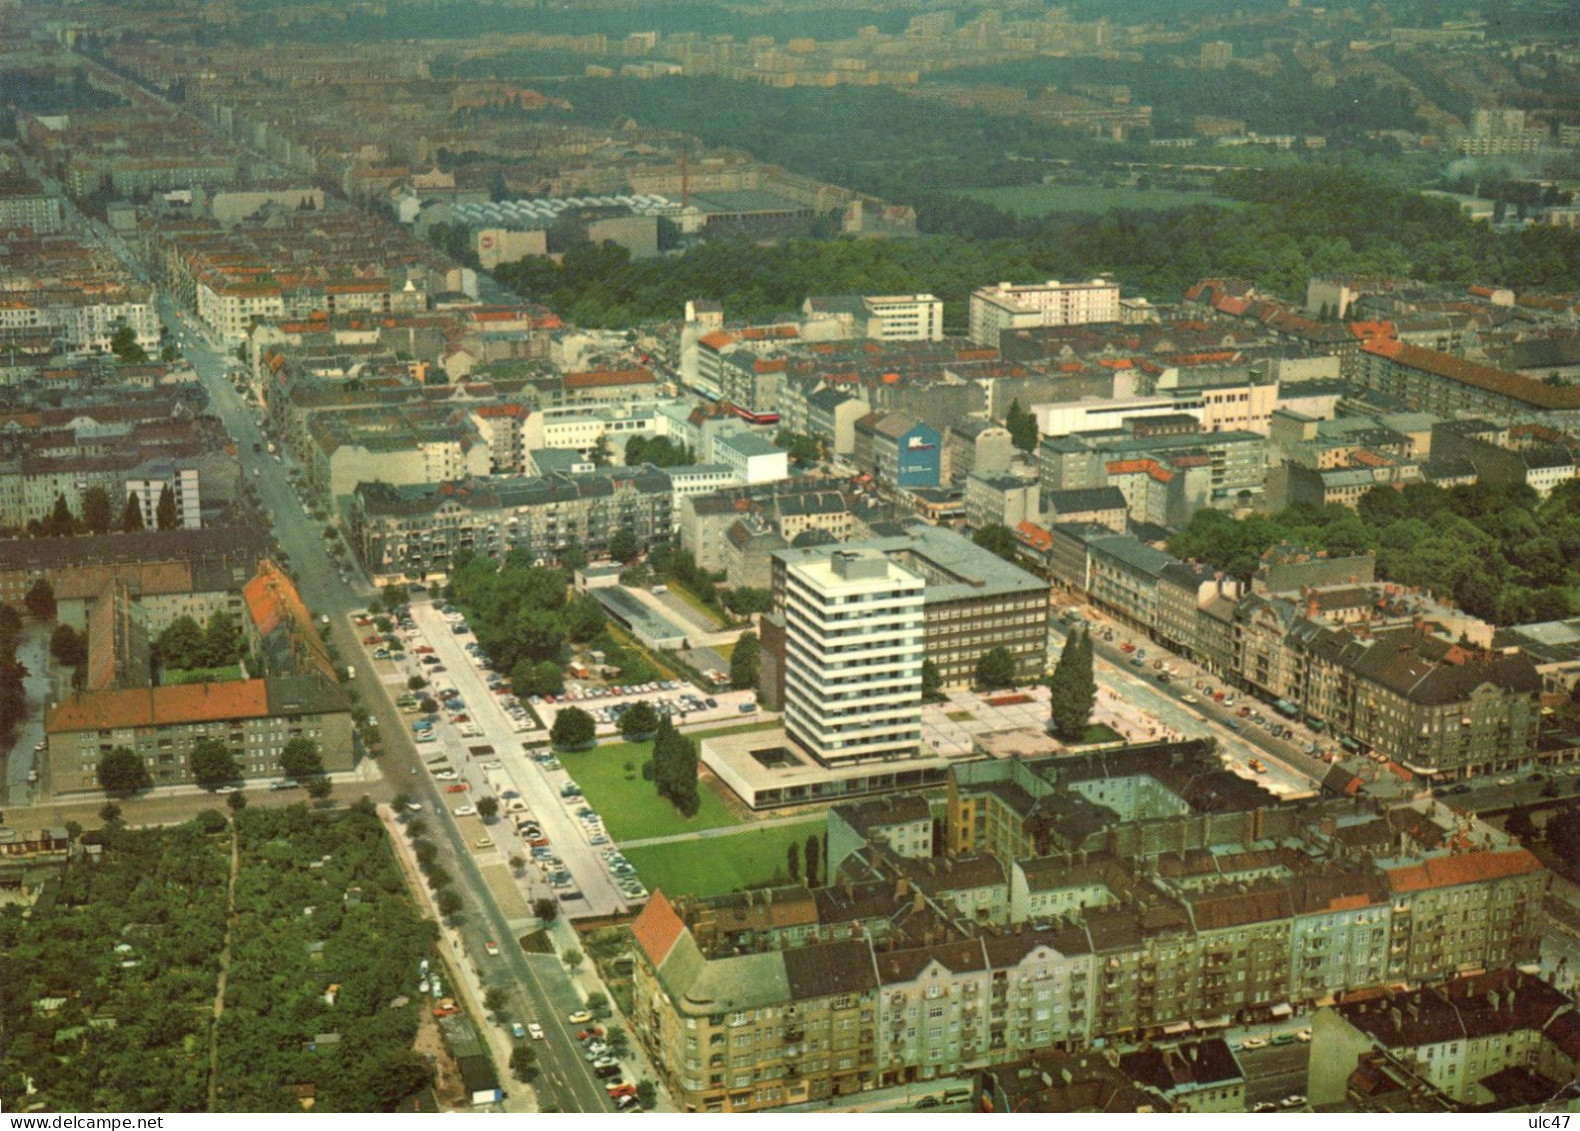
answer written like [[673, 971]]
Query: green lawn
[[715, 865], [173, 676], [1039, 200], [1099, 732], [630, 807], [696, 604]]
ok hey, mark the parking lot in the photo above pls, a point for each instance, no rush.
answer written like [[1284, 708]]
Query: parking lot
[[483, 742]]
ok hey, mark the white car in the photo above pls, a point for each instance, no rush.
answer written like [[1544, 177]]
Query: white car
[[535, 1031], [465, 810]]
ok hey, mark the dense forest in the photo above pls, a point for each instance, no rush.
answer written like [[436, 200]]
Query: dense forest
[[1495, 551], [1295, 224]]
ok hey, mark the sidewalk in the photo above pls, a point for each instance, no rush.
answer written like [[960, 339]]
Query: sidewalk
[[587, 981], [462, 976]]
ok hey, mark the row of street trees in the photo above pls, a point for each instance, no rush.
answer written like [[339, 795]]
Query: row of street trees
[[99, 517]]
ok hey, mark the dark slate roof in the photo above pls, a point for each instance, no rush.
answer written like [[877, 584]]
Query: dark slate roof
[[830, 968], [1085, 499]]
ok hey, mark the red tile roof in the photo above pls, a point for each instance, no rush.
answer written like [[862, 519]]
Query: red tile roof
[[657, 928], [1538, 394], [1464, 868], [161, 706]]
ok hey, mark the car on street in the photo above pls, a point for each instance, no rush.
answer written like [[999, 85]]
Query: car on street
[[611, 1062], [618, 1090], [1505, 781], [1303, 1036], [535, 1031], [580, 1017], [465, 810], [1292, 1101], [588, 1034], [517, 1031], [457, 787], [492, 947], [1253, 1043]]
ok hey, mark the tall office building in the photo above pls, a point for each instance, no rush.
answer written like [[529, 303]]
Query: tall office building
[[853, 658]]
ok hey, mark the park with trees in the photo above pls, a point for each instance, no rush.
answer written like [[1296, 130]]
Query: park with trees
[[1496, 551]]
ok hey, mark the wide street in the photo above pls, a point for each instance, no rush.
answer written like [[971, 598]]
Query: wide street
[[539, 987]]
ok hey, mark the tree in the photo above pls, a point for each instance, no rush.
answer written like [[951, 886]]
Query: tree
[[744, 662], [124, 345], [416, 683], [221, 641], [547, 910], [813, 853], [318, 787], [488, 808], [1072, 689], [131, 515], [448, 903], [68, 646], [571, 957], [1022, 427], [122, 773], [495, 1000], [237, 801], [573, 729], [1519, 823], [165, 516], [96, 515], [793, 861], [212, 764], [932, 681], [300, 759], [110, 813], [745, 600], [623, 546], [541, 678], [523, 1063], [40, 600], [639, 721], [996, 669], [646, 1094], [62, 523], [180, 645], [998, 538]]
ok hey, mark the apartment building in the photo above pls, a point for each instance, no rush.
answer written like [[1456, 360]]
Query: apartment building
[[899, 450], [1479, 1040], [1209, 904], [1002, 500], [293, 695], [415, 530], [1008, 307], [1450, 386], [976, 446], [853, 657], [831, 414]]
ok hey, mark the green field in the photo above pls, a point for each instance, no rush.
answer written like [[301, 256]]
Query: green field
[[631, 808], [1039, 200], [173, 676], [717, 864], [1099, 732]]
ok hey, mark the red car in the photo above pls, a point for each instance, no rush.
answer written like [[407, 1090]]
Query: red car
[[458, 787], [460, 718], [374, 639], [622, 1090], [589, 1034], [423, 649]]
